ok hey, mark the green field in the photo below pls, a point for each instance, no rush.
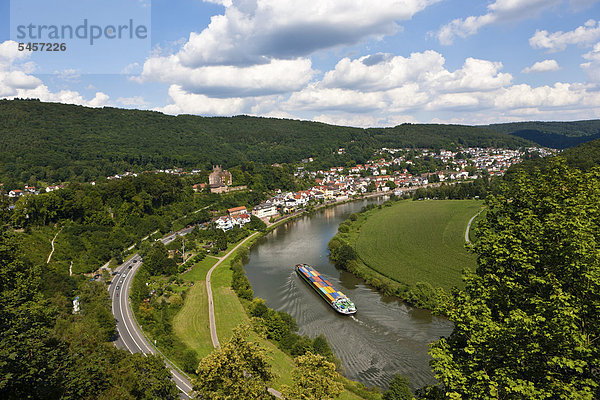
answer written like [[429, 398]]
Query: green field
[[191, 323], [419, 241]]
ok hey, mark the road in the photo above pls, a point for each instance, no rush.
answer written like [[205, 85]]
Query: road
[[129, 334], [469, 227], [211, 309]]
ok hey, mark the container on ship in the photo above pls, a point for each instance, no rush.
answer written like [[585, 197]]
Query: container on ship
[[336, 299]]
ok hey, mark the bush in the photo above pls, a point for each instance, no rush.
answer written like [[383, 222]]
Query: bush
[[258, 308], [399, 389], [189, 361], [343, 228]]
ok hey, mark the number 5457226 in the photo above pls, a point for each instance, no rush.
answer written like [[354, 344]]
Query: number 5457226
[[42, 46]]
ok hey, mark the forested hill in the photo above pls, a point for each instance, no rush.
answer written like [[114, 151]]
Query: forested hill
[[584, 157], [56, 142], [557, 135]]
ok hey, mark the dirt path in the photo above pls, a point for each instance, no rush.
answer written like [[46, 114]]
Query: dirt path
[[52, 252]]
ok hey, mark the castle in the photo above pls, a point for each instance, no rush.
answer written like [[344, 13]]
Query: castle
[[219, 177]]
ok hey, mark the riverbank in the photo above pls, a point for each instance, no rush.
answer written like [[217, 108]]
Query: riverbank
[[325, 205], [413, 250]]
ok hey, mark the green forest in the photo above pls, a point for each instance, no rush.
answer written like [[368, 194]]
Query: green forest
[[557, 135], [53, 143]]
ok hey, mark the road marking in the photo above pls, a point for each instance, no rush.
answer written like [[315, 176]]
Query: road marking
[[126, 319], [123, 319]]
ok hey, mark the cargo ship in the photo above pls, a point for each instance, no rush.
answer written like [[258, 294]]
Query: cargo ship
[[336, 299]]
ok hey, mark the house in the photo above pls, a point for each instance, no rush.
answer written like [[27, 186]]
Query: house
[[241, 219], [224, 223], [265, 210], [228, 222], [15, 193], [232, 212], [56, 187], [198, 187]]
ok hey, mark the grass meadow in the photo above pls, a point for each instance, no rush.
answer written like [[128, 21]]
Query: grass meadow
[[418, 241]]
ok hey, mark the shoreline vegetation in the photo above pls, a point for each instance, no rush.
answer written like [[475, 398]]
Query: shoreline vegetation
[[416, 258]]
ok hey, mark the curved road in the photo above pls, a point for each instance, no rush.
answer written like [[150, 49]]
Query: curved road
[[129, 334], [211, 309], [469, 226]]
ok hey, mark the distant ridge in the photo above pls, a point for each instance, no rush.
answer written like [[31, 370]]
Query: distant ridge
[[52, 142], [584, 157], [557, 135]]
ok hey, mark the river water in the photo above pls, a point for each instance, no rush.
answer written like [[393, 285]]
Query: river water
[[384, 337]]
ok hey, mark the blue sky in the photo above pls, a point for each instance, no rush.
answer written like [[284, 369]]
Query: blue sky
[[348, 62]]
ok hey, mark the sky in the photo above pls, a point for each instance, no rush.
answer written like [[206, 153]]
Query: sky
[[346, 62]]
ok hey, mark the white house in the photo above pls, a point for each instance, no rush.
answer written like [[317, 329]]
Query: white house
[[224, 223], [265, 210]]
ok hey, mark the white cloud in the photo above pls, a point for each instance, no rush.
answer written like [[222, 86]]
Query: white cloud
[[225, 3], [364, 121], [100, 100], [278, 76], [16, 81], [135, 101], [256, 51], [372, 89], [384, 72], [542, 66], [254, 32], [558, 96], [379, 82], [10, 53], [584, 35], [592, 66], [189, 103], [133, 68], [498, 11]]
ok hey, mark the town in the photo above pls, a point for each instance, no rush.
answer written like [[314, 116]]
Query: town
[[392, 171]]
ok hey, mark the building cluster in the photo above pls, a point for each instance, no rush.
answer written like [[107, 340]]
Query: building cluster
[[171, 171], [237, 216], [392, 175]]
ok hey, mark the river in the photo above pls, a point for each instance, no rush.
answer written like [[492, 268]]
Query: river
[[384, 337]]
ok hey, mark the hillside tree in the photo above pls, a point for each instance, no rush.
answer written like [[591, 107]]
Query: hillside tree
[[526, 326]]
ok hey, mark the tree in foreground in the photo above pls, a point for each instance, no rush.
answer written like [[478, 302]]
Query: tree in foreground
[[314, 378], [239, 370], [399, 389], [526, 325]]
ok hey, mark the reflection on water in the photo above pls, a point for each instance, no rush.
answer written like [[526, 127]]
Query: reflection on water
[[384, 337]]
